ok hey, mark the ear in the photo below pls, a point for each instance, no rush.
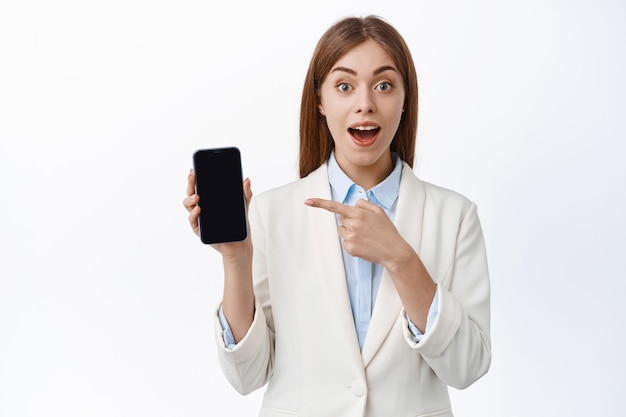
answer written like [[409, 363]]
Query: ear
[[321, 110]]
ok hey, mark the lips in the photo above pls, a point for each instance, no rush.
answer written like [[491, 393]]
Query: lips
[[364, 134]]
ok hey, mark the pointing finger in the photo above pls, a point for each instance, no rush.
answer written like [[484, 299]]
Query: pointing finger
[[329, 205]]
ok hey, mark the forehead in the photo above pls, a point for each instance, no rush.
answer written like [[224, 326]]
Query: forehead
[[366, 55]]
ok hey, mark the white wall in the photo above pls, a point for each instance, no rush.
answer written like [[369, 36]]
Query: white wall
[[106, 296]]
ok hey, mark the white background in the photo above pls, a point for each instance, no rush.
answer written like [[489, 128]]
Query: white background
[[106, 297]]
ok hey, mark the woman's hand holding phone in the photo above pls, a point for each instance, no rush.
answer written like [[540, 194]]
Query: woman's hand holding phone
[[238, 299], [229, 249]]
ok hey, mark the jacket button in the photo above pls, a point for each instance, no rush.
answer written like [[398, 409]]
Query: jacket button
[[358, 388]]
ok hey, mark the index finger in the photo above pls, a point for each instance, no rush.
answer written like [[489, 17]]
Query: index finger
[[329, 205]]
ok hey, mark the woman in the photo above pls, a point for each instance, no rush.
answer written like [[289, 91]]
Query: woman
[[368, 290]]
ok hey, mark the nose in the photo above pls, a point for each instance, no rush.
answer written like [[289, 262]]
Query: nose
[[365, 101]]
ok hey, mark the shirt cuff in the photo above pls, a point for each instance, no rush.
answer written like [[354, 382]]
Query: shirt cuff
[[433, 311], [229, 340]]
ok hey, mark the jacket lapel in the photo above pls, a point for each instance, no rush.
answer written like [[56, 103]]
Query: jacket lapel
[[408, 221], [326, 247]]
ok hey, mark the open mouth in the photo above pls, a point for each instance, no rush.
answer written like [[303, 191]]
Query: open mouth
[[364, 135]]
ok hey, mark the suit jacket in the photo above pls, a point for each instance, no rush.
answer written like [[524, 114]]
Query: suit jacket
[[303, 342]]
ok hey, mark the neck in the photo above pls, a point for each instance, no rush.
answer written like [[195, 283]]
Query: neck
[[369, 176]]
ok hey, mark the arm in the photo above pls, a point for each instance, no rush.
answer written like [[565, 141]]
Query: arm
[[412, 281], [238, 303], [247, 364], [458, 347], [432, 316]]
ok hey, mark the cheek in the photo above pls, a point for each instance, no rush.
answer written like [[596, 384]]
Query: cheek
[[335, 117], [397, 110], [334, 126]]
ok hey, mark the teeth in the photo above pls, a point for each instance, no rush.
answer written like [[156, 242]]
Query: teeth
[[365, 128]]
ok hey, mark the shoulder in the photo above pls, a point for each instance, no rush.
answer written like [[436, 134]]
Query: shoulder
[[313, 185], [441, 195], [283, 192], [435, 197]]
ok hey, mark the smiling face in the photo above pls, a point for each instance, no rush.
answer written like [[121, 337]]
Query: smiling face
[[362, 100]]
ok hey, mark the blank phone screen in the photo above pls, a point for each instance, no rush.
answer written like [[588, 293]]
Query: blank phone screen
[[222, 202]]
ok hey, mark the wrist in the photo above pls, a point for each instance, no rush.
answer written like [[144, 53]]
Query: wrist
[[236, 253], [402, 258], [237, 264]]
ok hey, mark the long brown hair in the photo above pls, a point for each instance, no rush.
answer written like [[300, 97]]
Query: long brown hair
[[316, 142]]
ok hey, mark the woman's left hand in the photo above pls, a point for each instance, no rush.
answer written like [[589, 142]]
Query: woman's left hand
[[367, 232], [365, 229]]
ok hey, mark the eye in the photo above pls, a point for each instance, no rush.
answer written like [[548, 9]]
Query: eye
[[384, 86], [344, 87]]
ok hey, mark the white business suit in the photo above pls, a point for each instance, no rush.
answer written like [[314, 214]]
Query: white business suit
[[303, 339]]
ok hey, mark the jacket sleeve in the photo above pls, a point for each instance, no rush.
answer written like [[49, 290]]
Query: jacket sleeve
[[248, 365], [458, 347]]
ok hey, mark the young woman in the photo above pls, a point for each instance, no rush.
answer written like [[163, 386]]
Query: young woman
[[362, 290]]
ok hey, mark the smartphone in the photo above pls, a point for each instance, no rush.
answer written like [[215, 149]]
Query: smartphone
[[219, 183]]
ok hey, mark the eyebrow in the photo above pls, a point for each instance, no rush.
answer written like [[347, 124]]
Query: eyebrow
[[375, 72]]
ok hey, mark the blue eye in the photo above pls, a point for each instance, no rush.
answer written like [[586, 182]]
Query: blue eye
[[384, 86], [344, 87]]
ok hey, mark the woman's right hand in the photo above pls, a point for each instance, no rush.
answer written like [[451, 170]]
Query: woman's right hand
[[238, 301], [230, 249]]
